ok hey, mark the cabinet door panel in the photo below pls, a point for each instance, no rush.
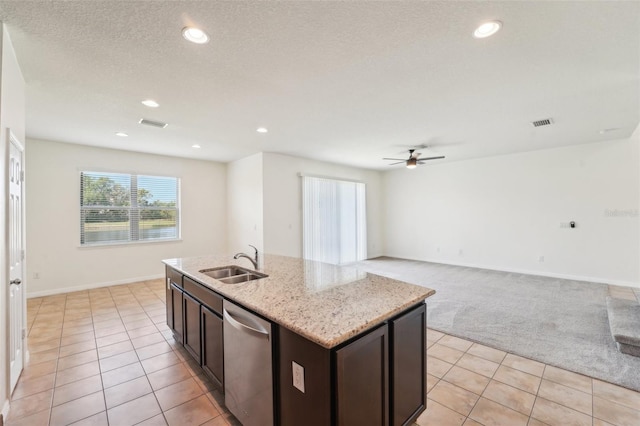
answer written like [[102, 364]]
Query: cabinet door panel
[[172, 276], [192, 326], [176, 304], [212, 346], [408, 366], [363, 380]]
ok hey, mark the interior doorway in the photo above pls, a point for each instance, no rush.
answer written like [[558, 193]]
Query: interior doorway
[[16, 254]]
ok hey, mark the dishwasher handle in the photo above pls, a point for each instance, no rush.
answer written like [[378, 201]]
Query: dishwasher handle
[[243, 327]]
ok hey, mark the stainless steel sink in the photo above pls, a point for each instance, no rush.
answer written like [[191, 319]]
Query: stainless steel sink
[[225, 271], [233, 274], [237, 279]]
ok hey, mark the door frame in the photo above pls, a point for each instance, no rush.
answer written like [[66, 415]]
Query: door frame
[[12, 139]]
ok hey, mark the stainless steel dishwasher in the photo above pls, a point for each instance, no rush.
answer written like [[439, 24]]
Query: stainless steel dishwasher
[[248, 374]]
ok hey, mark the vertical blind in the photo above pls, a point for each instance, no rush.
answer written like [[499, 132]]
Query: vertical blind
[[118, 208], [334, 220]]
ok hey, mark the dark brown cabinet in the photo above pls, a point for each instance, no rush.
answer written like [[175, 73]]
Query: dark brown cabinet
[[408, 355], [194, 313], [174, 303], [212, 345], [378, 378], [174, 297], [192, 326], [362, 380]]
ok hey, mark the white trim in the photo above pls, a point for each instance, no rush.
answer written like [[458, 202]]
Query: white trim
[[529, 272], [128, 243], [5, 410], [91, 286], [300, 174], [120, 171]]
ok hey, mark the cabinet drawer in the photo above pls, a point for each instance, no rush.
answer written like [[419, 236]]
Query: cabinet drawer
[[174, 276], [206, 296]]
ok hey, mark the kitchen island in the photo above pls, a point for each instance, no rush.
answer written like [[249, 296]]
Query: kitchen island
[[348, 347]]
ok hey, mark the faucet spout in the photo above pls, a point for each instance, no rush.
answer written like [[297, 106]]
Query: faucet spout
[[253, 260]]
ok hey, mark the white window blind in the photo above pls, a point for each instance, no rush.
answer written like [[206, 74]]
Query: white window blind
[[118, 208], [334, 220]]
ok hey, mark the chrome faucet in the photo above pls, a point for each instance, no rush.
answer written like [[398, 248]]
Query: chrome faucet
[[255, 256]]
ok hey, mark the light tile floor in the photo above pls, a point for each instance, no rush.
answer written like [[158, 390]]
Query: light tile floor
[[106, 357]]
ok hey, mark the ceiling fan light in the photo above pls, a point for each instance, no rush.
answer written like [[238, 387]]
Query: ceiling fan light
[[412, 163]]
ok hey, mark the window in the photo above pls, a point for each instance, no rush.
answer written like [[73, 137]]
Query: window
[[334, 220], [120, 208]]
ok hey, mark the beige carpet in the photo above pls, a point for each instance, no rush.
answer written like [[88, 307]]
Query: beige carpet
[[558, 322]]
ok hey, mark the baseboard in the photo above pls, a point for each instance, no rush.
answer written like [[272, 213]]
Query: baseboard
[[529, 272], [51, 292]]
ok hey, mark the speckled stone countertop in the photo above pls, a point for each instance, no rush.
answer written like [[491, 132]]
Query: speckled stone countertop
[[324, 303]]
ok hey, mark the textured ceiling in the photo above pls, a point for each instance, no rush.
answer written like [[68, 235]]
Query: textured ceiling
[[346, 82]]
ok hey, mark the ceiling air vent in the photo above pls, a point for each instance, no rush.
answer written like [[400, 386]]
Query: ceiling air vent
[[545, 122], [153, 123]]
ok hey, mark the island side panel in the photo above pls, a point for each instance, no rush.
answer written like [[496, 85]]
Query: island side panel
[[313, 406], [408, 356]]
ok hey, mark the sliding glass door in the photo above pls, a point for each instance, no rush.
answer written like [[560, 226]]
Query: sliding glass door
[[334, 220]]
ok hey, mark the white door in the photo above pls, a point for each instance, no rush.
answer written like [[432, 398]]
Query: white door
[[16, 258]]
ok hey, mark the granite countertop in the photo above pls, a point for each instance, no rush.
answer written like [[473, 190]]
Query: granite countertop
[[324, 303]]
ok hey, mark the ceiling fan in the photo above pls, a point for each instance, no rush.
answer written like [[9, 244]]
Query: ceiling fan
[[413, 159]]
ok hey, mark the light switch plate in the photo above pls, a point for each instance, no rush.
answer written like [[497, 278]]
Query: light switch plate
[[298, 376]]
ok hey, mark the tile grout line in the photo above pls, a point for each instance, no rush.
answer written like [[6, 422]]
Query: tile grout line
[[536, 395]]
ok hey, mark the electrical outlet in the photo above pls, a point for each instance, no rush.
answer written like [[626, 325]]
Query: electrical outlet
[[438, 249], [541, 259], [298, 376], [36, 275], [460, 252]]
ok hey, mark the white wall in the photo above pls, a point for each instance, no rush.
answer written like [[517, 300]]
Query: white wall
[[505, 212], [245, 223], [53, 216], [283, 202], [12, 116]]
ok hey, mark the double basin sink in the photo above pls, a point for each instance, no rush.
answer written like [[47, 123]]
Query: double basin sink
[[233, 274]]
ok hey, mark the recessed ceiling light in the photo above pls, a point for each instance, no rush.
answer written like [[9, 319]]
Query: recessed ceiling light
[[122, 134], [262, 130], [150, 103], [487, 29], [195, 35], [195, 146], [152, 123]]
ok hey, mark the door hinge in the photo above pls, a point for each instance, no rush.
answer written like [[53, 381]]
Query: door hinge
[[22, 254], [24, 333], [21, 175]]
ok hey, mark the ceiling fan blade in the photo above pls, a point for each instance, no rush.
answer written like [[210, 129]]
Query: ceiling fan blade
[[432, 158], [396, 159], [416, 154], [399, 162]]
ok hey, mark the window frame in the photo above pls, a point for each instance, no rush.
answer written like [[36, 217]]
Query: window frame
[[129, 209]]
